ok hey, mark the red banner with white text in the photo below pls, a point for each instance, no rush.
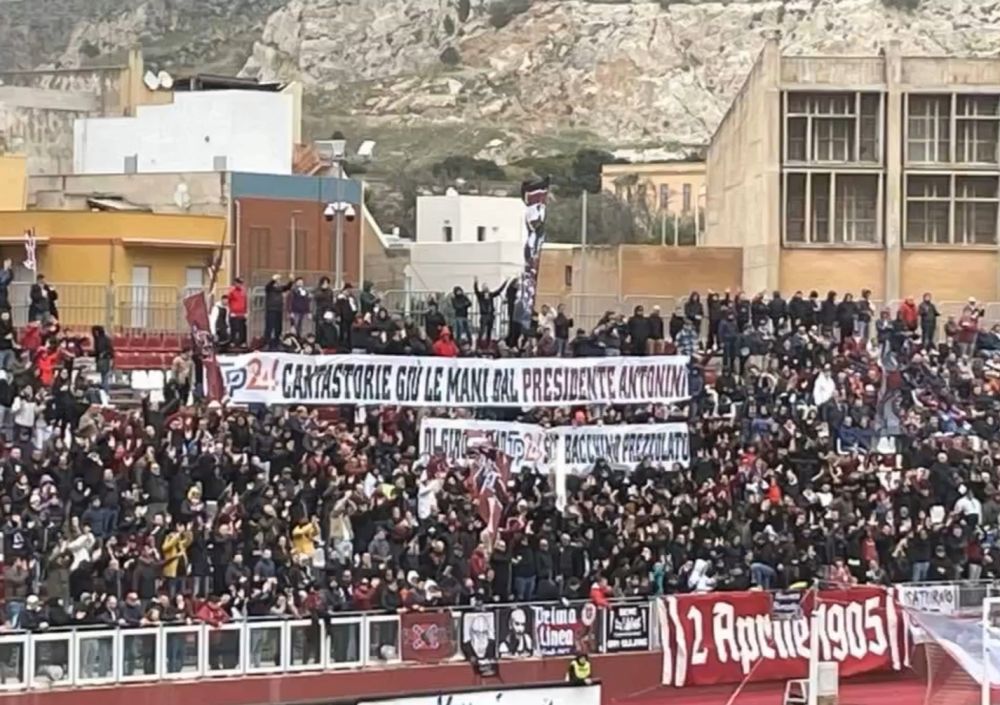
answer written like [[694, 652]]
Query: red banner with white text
[[731, 637]]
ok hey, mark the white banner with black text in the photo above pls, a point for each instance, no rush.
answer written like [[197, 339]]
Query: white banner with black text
[[578, 447], [286, 378]]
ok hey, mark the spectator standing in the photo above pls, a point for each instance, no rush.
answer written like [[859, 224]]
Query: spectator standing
[[847, 318], [460, 304], [486, 301], [694, 311], [6, 279], [323, 299], [908, 315], [369, 299], [274, 311], [513, 325], [777, 311], [656, 332], [346, 309], [299, 305], [42, 302], [928, 320], [8, 341], [828, 314], [434, 321], [638, 331], [561, 327], [866, 312], [238, 306], [104, 354]]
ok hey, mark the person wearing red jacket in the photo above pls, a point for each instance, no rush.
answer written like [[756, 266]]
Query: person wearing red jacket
[[599, 593], [908, 314], [238, 313], [444, 346], [211, 612]]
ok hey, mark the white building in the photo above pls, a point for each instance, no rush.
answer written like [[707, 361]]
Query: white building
[[464, 238], [468, 219], [219, 130]]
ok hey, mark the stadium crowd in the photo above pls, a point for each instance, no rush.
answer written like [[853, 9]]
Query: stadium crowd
[[829, 440]]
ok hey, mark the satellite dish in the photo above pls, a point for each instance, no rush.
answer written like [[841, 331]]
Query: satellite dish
[[166, 80], [151, 80], [366, 149]]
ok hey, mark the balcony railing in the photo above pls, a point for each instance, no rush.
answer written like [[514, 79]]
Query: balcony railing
[[86, 657]]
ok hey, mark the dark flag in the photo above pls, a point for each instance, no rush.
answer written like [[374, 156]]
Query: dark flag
[[196, 314], [488, 485], [534, 194]]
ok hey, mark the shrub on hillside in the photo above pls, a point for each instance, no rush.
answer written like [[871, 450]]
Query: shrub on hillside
[[503, 11]]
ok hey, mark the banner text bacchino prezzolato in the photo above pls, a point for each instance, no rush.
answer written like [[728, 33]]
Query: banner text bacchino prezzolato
[[578, 448], [285, 378]]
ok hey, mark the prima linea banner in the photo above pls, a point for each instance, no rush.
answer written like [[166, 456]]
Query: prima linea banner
[[285, 378], [577, 447]]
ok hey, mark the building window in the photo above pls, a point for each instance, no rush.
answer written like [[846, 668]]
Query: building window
[[832, 139], [928, 123], [795, 208], [796, 139], [481, 233], [931, 200], [975, 210], [260, 248], [819, 220], [686, 198], [976, 128], [927, 204], [869, 128], [447, 233], [568, 275], [664, 197], [834, 127], [856, 208], [832, 208]]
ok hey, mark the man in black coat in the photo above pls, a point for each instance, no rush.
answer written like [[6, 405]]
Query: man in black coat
[[638, 331]]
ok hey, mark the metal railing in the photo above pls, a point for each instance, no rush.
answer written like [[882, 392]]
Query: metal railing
[[88, 657], [127, 308]]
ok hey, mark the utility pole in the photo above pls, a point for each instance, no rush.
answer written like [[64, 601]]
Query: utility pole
[[583, 242]]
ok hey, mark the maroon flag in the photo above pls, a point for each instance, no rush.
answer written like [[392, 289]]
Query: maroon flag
[[427, 636], [487, 484], [196, 314]]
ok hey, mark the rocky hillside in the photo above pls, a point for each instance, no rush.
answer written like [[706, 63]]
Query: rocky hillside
[[496, 79]]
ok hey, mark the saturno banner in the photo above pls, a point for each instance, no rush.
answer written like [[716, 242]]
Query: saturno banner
[[577, 448], [283, 378]]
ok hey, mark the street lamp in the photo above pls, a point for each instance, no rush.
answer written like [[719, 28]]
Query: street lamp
[[334, 153]]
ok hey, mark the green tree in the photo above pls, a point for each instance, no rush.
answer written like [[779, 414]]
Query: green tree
[[469, 168], [610, 221]]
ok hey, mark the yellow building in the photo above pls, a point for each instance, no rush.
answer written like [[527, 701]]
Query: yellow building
[[675, 187], [13, 182], [119, 268]]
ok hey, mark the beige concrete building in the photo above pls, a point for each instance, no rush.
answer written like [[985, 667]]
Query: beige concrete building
[[874, 172], [674, 187]]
